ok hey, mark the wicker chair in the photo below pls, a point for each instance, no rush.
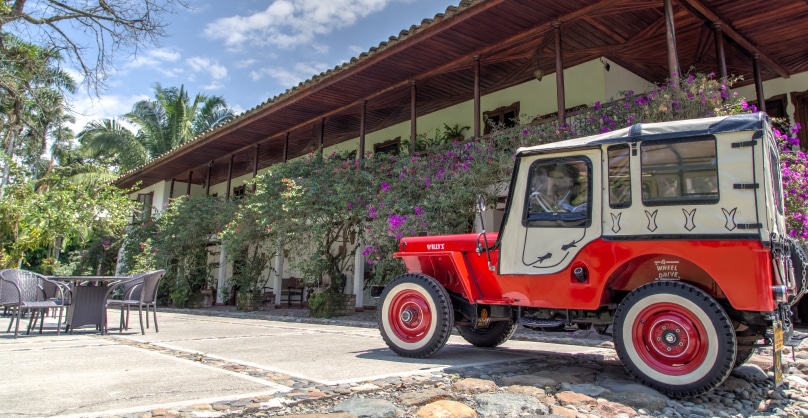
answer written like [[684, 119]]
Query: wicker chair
[[129, 289], [142, 295], [22, 291], [56, 291]]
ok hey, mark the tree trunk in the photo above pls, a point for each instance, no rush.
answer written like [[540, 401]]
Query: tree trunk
[[7, 166]]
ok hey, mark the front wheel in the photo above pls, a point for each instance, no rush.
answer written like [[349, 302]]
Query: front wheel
[[496, 333], [415, 315], [674, 338]]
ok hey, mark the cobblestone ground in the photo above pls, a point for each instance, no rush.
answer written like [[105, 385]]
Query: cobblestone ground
[[561, 385]]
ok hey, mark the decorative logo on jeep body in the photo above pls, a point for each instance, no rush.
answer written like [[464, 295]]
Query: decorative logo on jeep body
[[435, 246], [667, 269]]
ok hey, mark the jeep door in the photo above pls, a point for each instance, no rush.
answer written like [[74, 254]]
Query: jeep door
[[555, 210]]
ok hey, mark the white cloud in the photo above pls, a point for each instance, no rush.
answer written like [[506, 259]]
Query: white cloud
[[290, 77], [87, 109], [77, 77], [153, 58], [318, 48], [157, 59], [207, 65], [214, 85], [356, 49], [289, 24], [245, 63], [237, 109]]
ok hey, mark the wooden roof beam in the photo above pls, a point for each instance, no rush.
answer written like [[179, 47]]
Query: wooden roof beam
[[703, 44], [454, 64], [307, 90], [730, 31], [613, 35]]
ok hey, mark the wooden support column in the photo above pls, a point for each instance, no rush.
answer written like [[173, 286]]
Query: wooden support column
[[761, 98], [477, 96], [255, 165], [207, 180], [413, 116], [171, 190], [559, 75], [718, 34], [286, 148], [190, 177], [673, 60], [362, 121], [229, 175], [321, 140]]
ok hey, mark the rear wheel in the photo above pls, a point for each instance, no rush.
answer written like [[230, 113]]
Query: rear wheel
[[675, 338], [415, 315], [496, 333], [743, 356]]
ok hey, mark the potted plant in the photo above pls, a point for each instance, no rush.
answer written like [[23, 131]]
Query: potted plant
[[453, 133]]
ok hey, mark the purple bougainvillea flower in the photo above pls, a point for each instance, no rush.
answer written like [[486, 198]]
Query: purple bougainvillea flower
[[385, 187], [395, 221]]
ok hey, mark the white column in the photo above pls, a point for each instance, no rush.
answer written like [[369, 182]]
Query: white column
[[276, 282], [359, 276], [121, 259], [222, 273]]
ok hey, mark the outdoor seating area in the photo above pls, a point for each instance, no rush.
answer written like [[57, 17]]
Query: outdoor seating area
[[292, 292], [77, 300], [292, 289]]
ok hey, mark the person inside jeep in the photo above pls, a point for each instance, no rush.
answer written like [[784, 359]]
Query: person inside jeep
[[557, 187]]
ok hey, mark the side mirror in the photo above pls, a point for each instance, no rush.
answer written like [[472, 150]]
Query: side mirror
[[481, 203]]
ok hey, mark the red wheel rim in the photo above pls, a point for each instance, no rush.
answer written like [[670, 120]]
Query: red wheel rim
[[670, 339], [409, 315]]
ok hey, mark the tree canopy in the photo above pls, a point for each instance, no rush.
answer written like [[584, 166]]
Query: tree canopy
[[52, 198], [169, 120], [88, 33]]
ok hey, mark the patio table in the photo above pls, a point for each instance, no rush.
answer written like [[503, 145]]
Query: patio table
[[88, 299]]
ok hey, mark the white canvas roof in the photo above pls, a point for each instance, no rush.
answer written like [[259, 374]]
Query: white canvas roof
[[657, 131]]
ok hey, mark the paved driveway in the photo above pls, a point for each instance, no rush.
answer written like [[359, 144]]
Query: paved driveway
[[200, 359]]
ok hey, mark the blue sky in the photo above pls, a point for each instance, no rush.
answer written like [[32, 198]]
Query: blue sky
[[248, 51]]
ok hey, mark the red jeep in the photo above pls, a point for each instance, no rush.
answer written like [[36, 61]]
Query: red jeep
[[671, 233]]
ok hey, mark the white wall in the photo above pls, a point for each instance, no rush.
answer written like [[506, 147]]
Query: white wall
[[795, 83], [584, 84], [619, 80], [159, 198]]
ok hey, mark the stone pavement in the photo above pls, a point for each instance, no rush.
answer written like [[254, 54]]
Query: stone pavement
[[219, 362]]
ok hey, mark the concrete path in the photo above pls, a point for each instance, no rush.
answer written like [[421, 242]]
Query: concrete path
[[202, 359]]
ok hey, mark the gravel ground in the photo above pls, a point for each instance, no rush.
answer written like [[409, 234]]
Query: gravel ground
[[573, 386]]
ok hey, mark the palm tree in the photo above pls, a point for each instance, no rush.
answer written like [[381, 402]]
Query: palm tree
[[162, 124], [31, 99], [110, 143]]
